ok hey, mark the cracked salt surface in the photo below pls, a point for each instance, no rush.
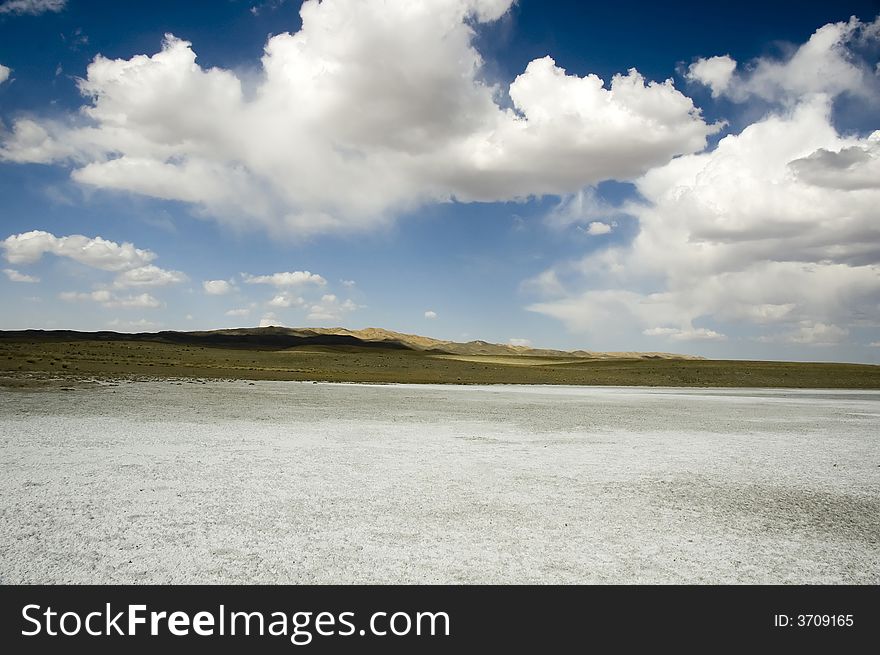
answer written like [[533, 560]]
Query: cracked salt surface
[[285, 482]]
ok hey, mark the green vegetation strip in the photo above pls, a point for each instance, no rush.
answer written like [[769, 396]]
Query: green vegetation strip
[[85, 359]]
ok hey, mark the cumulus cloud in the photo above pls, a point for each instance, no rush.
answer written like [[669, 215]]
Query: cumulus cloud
[[270, 320], [4, 73], [826, 64], [217, 287], [284, 300], [430, 315], [596, 228], [581, 208], [108, 299], [244, 311], [148, 276], [373, 107], [676, 334], [521, 343], [850, 168], [286, 279], [29, 247], [714, 72], [775, 229], [32, 7], [141, 300], [131, 265], [330, 309], [817, 334], [16, 276]]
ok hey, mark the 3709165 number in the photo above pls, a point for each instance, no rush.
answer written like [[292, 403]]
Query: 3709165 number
[[824, 620]]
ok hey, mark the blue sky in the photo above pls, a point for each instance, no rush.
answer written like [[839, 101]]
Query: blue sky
[[454, 169]]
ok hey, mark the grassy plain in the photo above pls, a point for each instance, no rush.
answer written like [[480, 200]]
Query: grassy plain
[[24, 363]]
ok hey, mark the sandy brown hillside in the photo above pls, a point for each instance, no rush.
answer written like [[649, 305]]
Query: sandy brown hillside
[[281, 338], [414, 341], [418, 342]]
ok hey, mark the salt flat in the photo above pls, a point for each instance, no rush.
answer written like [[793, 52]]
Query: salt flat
[[286, 482]]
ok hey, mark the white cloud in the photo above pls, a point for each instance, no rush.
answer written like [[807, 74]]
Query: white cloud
[[430, 314], [108, 299], [30, 141], [826, 64], [130, 264], [676, 334], [372, 108], [284, 300], [580, 208], [522, 343], [97, 296], [287, 279], [850, 168], [142, 300], [714, 72], [270, 320], [576, 132], [217, 287], [29, 247], [817, 334], [4, 73], [596, 228], [661, 332], [244, 311], [762, 231], [32, 7], [348, 283], [330, 309], [545, 284], [148, 276], [138, 325], [16, 276]]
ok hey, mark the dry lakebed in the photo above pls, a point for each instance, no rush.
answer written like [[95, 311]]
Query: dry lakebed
[[293, 482]]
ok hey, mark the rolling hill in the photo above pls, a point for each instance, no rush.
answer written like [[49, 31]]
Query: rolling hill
[[282, 337]]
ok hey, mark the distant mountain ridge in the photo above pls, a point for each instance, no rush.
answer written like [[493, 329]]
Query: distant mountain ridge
[[282, 337], [479, 347]]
